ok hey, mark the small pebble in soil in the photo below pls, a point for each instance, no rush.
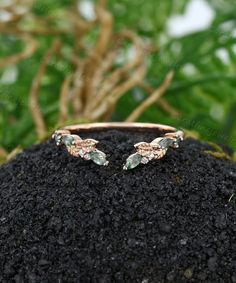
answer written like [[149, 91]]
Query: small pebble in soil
[[188, 273]]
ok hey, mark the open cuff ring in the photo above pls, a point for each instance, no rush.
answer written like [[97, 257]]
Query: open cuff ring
[[144, 151]]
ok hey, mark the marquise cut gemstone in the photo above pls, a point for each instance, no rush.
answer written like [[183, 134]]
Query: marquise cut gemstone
[[133, 161], [67, 140], [166, 142], [98, 157]]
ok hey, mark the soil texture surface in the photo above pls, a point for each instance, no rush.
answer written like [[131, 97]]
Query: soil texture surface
[[64, 219]]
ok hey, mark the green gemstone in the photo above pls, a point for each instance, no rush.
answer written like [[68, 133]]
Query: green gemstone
[[166, 142], [57, 139], [133, 161], [98, 157], [67, 140]]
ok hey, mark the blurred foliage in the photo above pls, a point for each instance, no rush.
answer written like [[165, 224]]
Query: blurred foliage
[[202, 91]]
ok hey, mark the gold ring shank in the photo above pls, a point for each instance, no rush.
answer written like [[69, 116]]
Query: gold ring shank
[[120, 126]]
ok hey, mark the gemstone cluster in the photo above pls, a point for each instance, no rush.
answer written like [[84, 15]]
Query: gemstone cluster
[[156, 149], [145, 152], [78, 147]]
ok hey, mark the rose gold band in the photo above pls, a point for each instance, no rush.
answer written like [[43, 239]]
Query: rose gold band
[[86, 148], [119, 125]]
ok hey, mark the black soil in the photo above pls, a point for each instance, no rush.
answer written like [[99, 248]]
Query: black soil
[[63, 219]]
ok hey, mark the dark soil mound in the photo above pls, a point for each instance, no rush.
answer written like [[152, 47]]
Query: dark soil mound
[[63, 219]]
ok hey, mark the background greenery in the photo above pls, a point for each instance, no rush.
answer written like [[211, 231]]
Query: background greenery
[[203, 89]]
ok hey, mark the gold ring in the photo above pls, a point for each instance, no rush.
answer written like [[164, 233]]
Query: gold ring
[[145, 152]]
